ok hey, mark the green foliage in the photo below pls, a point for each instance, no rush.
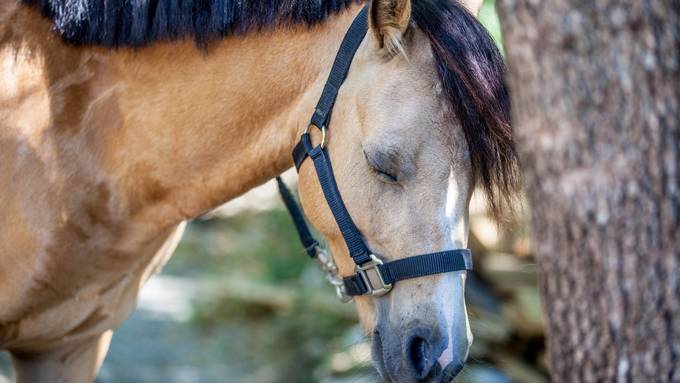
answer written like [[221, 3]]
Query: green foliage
[[290, 340], [262, 245], [489, 17], [291, 343]]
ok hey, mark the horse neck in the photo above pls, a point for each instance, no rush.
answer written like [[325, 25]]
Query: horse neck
[[193, 129]]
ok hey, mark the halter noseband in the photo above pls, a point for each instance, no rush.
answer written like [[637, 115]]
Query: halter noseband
[[373, 276]]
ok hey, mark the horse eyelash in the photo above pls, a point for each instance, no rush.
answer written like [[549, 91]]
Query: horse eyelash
[[390, 178]]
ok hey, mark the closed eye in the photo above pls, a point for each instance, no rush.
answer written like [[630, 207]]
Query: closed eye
[[386, 176], [379, 167]]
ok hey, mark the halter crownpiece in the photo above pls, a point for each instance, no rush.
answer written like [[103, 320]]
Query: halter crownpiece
[[372, 275]]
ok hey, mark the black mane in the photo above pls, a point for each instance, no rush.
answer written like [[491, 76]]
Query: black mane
[[469, 63], [115, 23]]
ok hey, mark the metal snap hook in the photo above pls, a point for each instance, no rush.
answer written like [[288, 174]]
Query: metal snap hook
[[329, 268]]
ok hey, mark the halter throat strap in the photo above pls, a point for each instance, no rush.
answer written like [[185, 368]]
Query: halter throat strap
[[373, 276]]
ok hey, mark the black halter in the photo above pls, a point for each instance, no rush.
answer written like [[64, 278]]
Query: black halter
[[373, 276]]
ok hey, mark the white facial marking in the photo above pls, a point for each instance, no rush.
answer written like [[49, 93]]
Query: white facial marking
[[450, 297], [454, 217], [450, 291]]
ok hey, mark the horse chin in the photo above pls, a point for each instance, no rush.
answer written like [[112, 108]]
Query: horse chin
[[449, 373], [446, 375]]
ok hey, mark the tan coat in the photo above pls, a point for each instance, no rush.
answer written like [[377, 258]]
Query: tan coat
[[104, 154]]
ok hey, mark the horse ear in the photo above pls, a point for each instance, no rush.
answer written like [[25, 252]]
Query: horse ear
[[473, 6], [389, 20]]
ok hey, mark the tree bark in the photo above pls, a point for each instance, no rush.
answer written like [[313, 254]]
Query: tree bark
[[595, 91]]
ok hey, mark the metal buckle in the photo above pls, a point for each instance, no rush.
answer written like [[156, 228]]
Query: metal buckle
[[371, 276], [323, 134], [332, 274]]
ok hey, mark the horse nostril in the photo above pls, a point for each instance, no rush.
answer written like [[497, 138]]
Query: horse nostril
[[419, 358]]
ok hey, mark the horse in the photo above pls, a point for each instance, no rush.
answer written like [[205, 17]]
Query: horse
[[120, 121]]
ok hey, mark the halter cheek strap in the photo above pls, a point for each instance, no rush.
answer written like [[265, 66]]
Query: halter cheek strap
[[373, 276]]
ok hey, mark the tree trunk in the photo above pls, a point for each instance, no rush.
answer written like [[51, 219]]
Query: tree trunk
[[596, 109]]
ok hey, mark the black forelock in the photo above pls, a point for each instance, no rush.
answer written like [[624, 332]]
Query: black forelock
[[473, 78]]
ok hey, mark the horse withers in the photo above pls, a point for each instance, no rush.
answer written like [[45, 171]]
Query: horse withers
[[121, 120]]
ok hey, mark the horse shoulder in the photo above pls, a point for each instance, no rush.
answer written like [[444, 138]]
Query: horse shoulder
[[72, 256]]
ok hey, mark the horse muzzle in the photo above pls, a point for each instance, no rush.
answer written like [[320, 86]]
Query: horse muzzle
[[416, 355]]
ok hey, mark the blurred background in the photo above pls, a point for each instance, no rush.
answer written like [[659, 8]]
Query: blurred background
[[240, 302]]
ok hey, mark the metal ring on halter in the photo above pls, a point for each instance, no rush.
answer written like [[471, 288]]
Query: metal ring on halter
[[323, 134]]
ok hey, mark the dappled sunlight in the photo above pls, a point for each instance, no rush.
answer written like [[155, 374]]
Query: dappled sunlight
[[171, 297], [261, 198]]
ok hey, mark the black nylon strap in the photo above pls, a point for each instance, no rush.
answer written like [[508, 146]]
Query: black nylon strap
[[299, 154], [426, 264], [343, 60], [413, 267], [354, 285], [308, 242], [355, 243]]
